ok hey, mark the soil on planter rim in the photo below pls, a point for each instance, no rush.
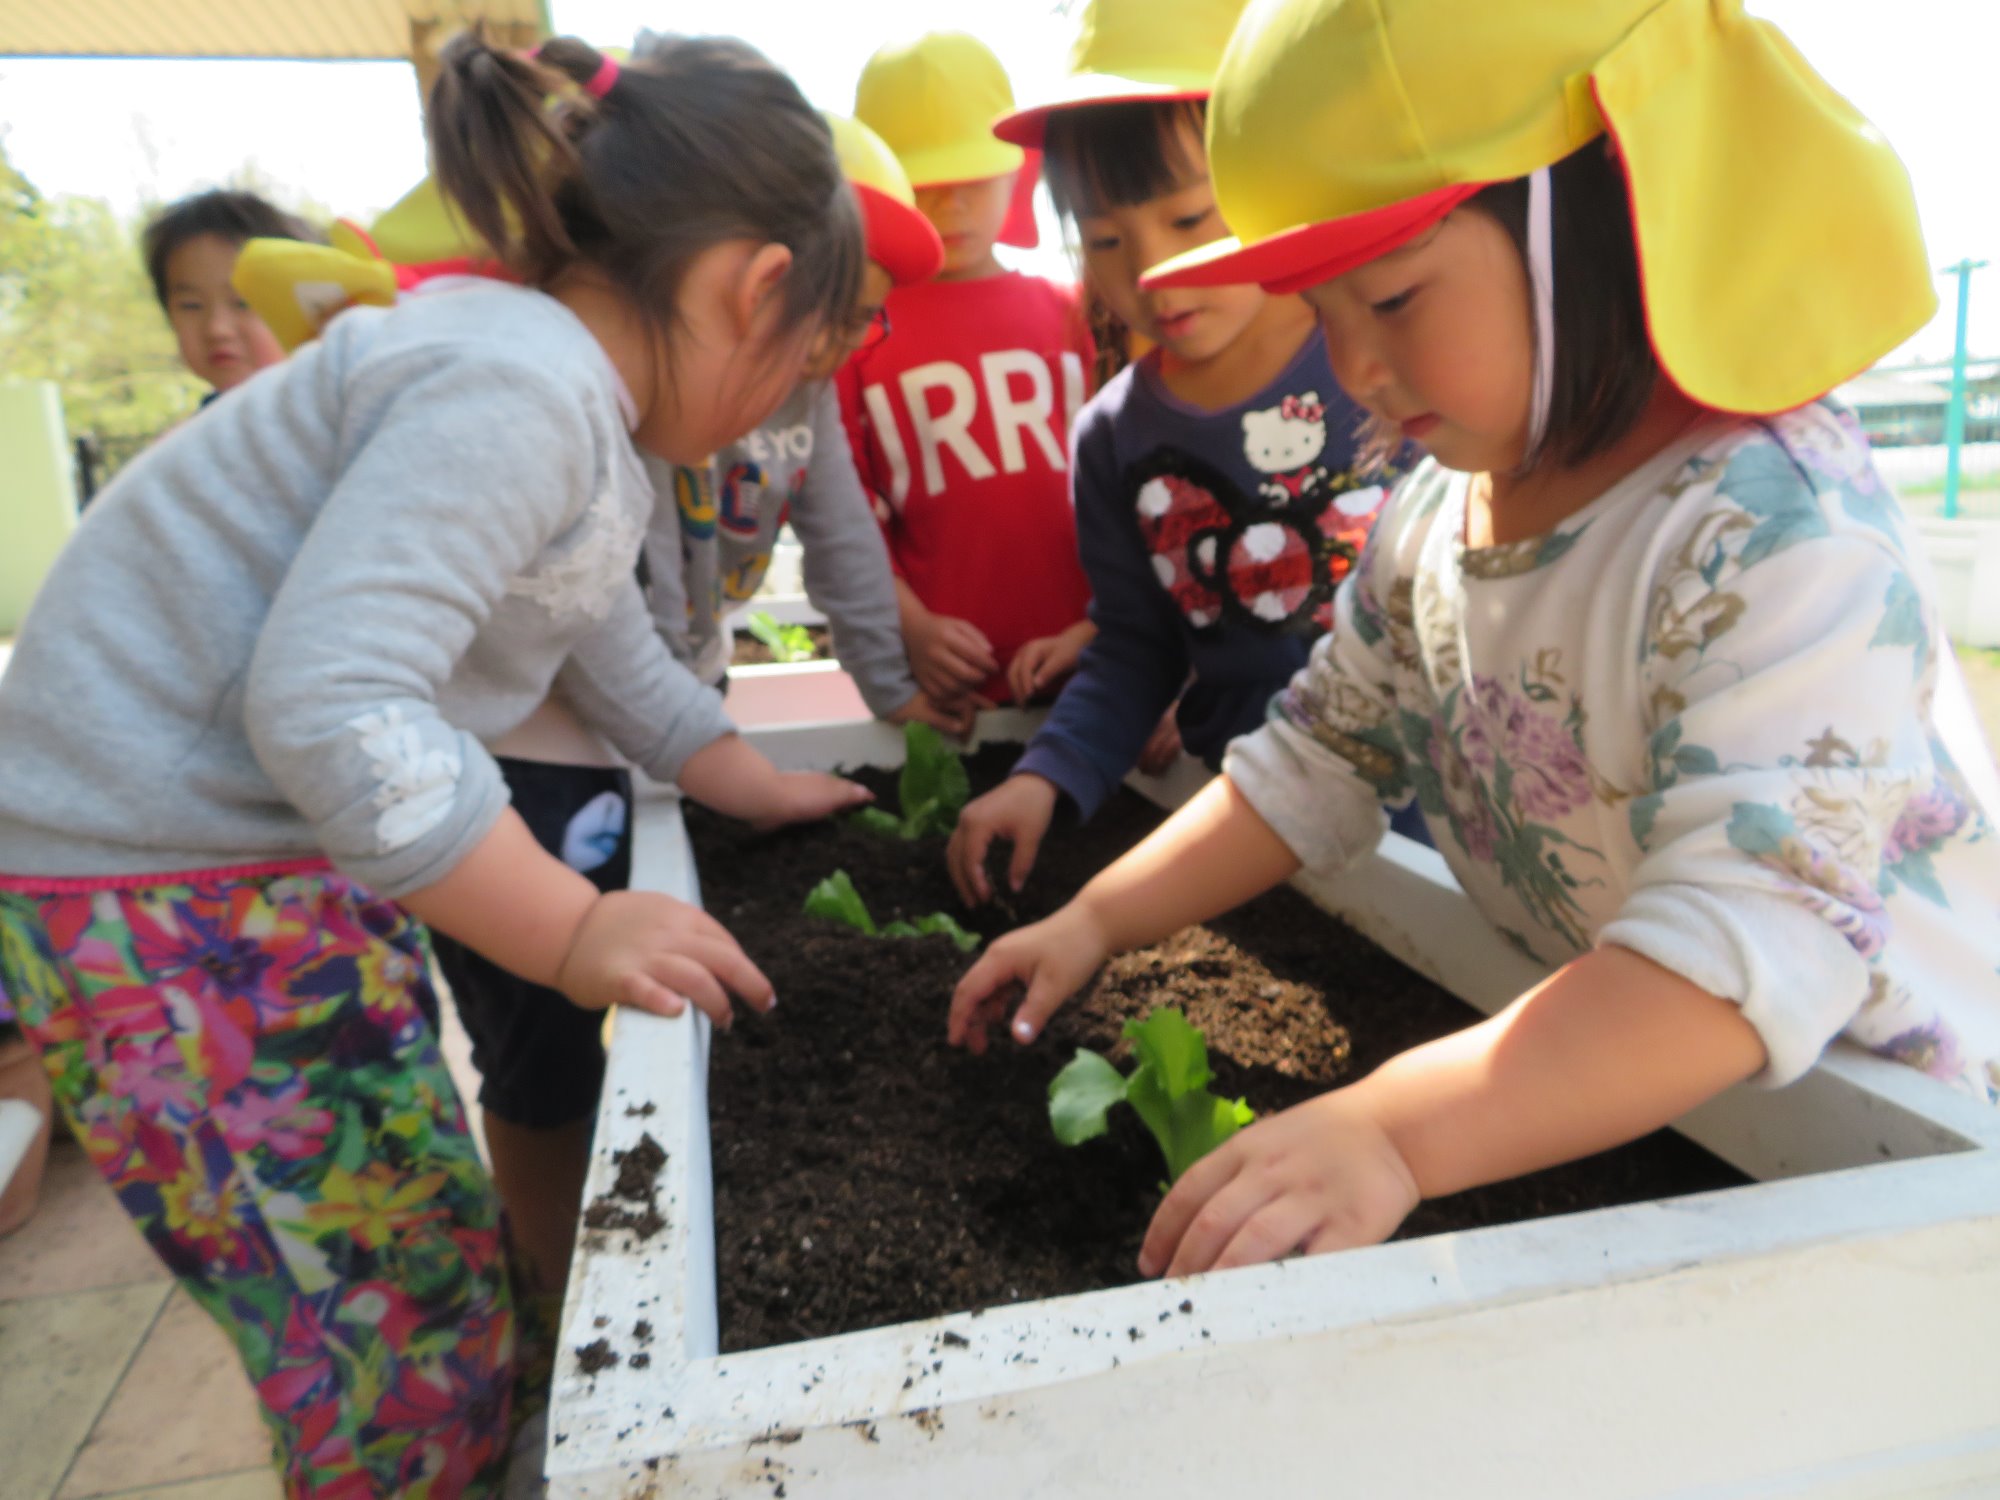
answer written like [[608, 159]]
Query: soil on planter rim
[[865, 1173]]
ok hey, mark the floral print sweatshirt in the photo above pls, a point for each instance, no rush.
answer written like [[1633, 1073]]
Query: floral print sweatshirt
[[1695, 720]]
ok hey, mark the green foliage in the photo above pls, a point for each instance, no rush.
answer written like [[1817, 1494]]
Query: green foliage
[[836, 900], [1168, 1091], [76, 308], [931, 790], [786, 643]]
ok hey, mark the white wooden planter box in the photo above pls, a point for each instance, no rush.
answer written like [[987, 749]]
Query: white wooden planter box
[[1832, 1330]]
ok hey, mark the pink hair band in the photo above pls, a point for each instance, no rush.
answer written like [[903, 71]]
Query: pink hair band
[[602, 80]]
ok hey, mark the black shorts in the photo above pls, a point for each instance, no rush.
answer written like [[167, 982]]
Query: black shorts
[[541, 1058]]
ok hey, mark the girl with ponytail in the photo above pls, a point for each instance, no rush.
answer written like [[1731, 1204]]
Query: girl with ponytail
[[246, 726]]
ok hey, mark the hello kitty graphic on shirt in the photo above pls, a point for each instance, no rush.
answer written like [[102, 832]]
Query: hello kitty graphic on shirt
[[1271, 560], [1284, 442]]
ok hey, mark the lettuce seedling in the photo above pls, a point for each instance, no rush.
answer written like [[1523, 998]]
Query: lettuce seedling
[[785, 642], [1168, 1091], [836, 899], [931, 790]]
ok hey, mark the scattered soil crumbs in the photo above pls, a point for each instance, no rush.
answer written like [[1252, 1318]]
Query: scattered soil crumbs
[[595, 1357], [638, 1173], [865, 1173], [751, 652]]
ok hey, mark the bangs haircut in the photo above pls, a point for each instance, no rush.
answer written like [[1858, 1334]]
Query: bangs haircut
[[1117, 155]]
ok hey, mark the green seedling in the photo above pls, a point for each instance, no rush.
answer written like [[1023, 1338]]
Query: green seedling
[[836, 899], [931, 790], [1168, 1091], [784, 642]]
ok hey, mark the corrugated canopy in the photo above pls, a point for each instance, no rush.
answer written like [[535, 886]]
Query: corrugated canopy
[[310, 29]]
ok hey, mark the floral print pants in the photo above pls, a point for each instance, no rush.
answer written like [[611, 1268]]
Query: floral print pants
[[251, 1062]]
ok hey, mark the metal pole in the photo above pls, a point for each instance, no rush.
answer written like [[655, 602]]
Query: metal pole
[[1954, 420]]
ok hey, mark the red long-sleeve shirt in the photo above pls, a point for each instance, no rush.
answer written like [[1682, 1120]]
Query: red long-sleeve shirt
[[960, 422]]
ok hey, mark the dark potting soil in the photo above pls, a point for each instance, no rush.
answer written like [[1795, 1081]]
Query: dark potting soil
[[751, 652], [866, 1173]]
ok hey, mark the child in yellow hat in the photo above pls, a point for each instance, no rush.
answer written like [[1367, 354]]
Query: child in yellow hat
[[1218, 491], [1647, 638], [961, 422]]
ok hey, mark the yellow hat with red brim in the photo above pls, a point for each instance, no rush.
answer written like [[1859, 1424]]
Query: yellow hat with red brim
[[900, 240], [1777, 234], [1133, 52], [934, 101]]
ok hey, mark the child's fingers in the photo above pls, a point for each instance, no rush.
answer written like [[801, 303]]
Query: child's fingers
[[974, 999], [1027, 844], [1178, 1209], [965, 859], [966, 641], [1271, 1233], [694, 980], [1046, 993], [1217, 1222], [643, 992], [726, 963]]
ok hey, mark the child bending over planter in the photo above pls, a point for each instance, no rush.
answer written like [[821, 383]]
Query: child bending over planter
[[1220, 493], [1644, 637], [960, 423], [244, 733], [709, 551]]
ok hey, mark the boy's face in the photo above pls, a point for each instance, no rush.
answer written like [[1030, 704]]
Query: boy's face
[[968, 217], [1120, 244], [221, 339]]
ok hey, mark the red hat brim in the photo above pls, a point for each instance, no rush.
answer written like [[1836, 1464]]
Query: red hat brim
[[1298, 258], [900, 240], [1029, 128]]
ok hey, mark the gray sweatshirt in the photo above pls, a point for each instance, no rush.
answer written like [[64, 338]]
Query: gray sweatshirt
[[708, 552], [291, 625]]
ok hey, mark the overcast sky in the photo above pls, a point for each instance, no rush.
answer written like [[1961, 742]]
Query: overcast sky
[[347, 134]]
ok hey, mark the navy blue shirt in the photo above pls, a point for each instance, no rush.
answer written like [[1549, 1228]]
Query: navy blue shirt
[[1213, 541]]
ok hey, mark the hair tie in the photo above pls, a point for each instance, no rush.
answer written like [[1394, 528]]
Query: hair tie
[[602, 80]]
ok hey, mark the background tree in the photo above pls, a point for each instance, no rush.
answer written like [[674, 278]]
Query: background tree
[[77, 308]]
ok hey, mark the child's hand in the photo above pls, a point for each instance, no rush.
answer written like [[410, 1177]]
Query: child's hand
[[651, 952], [1047, 660], [950, 658], [954, 718], [1052, 959], [1018, 810], [1321, 1176], [806, 797], [1163, 748], [738, 781]]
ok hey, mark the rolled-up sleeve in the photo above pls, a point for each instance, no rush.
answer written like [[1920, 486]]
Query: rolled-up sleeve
[[1788, 684]]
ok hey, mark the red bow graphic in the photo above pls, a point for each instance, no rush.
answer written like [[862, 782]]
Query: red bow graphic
[[1301, 409]]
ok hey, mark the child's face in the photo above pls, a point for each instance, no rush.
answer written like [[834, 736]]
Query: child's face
[[968, 217], [1119, 244], [222, 341], [1437, 339], [837, 345], [729, 361]]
